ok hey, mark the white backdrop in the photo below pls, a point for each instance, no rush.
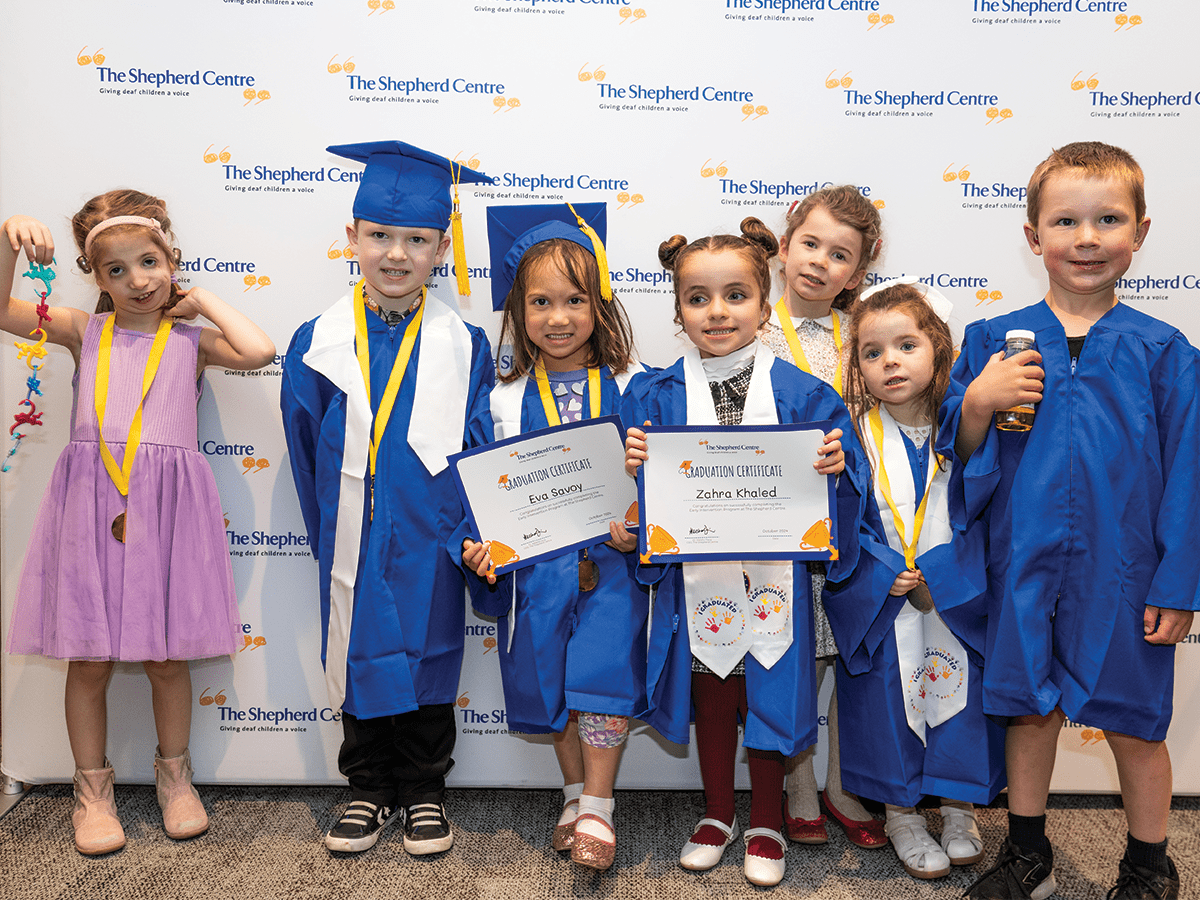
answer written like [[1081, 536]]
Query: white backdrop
[[683, 115]]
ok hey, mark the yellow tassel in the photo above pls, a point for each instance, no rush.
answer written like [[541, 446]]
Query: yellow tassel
[[601, 257], [460, 254]]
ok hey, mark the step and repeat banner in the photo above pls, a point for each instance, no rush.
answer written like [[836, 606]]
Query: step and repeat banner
[[684, 116]]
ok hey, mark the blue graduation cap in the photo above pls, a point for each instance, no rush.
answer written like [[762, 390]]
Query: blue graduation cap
[[512, 230], [404, 185]]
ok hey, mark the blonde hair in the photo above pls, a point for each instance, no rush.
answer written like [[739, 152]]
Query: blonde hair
[[1091, 158]]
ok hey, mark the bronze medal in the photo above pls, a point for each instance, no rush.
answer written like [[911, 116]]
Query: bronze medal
[[589, 574], [920, 598], [118, 528]]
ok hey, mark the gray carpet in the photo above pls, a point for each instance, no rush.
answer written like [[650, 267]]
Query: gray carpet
[[265, 843]]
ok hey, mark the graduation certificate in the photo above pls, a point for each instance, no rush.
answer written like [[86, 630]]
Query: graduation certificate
[[708, 492], [541, 494]]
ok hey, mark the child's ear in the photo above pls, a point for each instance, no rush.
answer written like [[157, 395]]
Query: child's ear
[[1031, 237], [443, 247], [855, 280], [352, 236], [1142, 231]]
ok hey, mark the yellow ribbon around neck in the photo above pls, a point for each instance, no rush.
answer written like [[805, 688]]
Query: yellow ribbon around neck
[[793, 339], [362, 350], [910, 549], [120, 474], [551, 407]]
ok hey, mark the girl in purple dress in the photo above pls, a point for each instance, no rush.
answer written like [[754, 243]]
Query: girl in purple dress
[[128, 560]]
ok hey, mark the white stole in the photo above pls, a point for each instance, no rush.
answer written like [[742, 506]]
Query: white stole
[[933, 663], [736, 608], [435, 430]]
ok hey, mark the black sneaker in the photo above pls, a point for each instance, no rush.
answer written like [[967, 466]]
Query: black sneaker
[[1140, 883], [1017, 875], [359, 827], [426, 829]]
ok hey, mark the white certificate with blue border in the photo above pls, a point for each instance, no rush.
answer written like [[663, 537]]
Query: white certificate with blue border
[[728, 493], [542, 494]]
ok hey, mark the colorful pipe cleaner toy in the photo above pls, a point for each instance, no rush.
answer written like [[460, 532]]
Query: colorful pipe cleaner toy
[[31, 353]]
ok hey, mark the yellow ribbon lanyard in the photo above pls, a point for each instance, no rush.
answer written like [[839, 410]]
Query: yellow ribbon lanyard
[[548, 404], [120, 474], [910, 549], [362, 350], [793, 339]]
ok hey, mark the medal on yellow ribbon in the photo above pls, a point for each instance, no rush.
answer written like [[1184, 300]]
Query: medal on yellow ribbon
[[362, 350], [589, 572], [798, 354], [120, 474]]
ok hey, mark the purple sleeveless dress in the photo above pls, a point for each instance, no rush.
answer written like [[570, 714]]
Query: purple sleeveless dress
[[167, 592]]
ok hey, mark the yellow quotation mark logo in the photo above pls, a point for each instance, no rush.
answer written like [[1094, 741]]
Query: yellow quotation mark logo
[[252, 642], [380, 6], [1088, 735], [1123, 20], [257, 283], [472, 163], [749, 109], [599, 74], [211, 157], [632, 199], [882, 21], [831, 82], [257, 465], [504, 104], [1078, 84], [991, 297], [994, 112], [489, 644], [84, 60], [963, 174], [628, 14], [218, 698], [878, 204], [251, 95], [464, 701], [334, 253], [707, 171], [334, 67]]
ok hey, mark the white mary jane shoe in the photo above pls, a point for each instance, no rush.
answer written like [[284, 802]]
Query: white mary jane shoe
[[760, 870], [700, 857], [960, 836], [919, 853]]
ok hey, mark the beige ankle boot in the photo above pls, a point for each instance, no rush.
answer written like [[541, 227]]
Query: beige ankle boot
[[183, 813], [97, 828]]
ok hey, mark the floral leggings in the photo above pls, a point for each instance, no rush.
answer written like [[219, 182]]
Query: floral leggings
[[598, 730]]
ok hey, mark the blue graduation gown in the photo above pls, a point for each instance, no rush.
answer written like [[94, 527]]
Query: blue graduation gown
[[406, 635], [1091, 516], [783, 699], [570, 650], [962, 758]]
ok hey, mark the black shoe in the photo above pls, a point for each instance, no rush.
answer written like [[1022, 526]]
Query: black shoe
[[359, 827], [1140, 883], [426, 829], [1017, 875]]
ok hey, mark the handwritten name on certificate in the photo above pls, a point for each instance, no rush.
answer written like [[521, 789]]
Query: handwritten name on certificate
[[541, 494], [745, 492]]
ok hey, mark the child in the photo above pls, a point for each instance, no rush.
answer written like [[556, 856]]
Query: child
[[375, 395], [909, 687], [128, 560], [721, 286], [1102, 486], [576, 636], [832, 236]]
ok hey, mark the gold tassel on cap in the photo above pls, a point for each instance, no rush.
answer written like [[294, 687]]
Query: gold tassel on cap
[[456, 237], [601, 257]]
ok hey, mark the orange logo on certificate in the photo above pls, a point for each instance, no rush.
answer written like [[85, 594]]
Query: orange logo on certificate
[[631, 515], [501, 554], [659, 542], [818, 537]]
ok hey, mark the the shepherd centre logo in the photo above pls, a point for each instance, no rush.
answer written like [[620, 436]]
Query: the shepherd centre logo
[[766, 191], [486, 632], [1022, 12], [249, 461], [634, 96], [373, 86], [977, 195], [864, 103], [1132, 104], [936, 279], [876, 11], [1156, 287], [474, 719], [134, 80], [247, 177], [265, 543], [251, 279]]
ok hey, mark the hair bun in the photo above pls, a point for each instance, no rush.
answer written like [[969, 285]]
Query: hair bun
[[669, 249], [757, 233]]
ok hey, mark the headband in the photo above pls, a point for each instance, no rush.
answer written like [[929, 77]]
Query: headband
[[937, 301], [122, 220]]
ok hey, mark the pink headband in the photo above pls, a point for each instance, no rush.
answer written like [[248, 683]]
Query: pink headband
[[122, 220]]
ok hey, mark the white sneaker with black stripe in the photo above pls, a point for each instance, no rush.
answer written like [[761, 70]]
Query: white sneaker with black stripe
[[426, 829], [359, 827]]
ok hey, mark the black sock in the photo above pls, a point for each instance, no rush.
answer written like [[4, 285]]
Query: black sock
[[1029, 832], [1148, 856]]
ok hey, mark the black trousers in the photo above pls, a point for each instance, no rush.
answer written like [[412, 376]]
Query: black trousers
[[401, 759]]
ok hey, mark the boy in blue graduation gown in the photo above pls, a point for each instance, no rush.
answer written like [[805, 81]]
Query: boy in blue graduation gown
[[1091, 516], [376, 392]]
